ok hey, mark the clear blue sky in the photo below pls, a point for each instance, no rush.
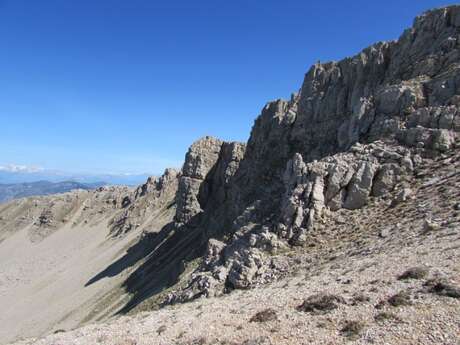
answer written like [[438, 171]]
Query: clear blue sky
[[128, 85]]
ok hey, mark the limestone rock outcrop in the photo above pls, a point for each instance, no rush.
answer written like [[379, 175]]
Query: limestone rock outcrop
[[344, 180], [206, 178], [356, 130], [200, 159]]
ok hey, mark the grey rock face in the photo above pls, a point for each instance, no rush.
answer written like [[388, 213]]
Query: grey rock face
[[402, 195], [209, 166], [217, 188], [158, 186], [386, 178], [344, 180], [357, 129], [383, 92], [213, 256], [361, 186], [200, 159]]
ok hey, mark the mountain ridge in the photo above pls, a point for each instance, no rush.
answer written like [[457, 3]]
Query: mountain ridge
[[354, 140]]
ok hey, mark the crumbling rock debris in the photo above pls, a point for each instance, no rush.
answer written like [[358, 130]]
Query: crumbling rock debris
[[385, 232], [402, 196], [430, 225], [45, 218]]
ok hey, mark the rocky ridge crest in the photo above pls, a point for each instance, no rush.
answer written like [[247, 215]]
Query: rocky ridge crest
[[358, 129]]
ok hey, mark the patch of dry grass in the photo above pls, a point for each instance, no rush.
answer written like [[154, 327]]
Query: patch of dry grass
[[320, 303], [419, 272], [264, 316], [402, 298], [352, 328], [443, 288], [386, 316]]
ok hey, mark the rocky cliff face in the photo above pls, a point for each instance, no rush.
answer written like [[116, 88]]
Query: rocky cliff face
[[358, 129], [200, 159]]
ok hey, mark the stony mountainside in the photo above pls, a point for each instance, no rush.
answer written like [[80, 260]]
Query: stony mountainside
[[123, 208], [357, 129], [386, 273], [360, 132]]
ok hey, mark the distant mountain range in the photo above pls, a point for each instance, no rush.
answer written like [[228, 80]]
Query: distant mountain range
[[12, 174], [20, 190], [17, 181]]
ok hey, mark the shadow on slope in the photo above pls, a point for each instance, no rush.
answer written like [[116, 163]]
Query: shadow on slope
[[166, 253], [165, 264], [135, 253]]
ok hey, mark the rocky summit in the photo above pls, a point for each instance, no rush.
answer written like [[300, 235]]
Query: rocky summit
[[338, 221]]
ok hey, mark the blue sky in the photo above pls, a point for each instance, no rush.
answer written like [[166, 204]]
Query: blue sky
[[112, 86]]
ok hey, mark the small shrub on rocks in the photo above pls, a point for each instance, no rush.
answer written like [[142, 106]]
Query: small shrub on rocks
[[257, 341], [385, 316], [129, 342], [352, 328], [443, 288], [320, 303], [360, 298], [400, 299], [380, 305], [264, 316], [199, 341], [414, 273]]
